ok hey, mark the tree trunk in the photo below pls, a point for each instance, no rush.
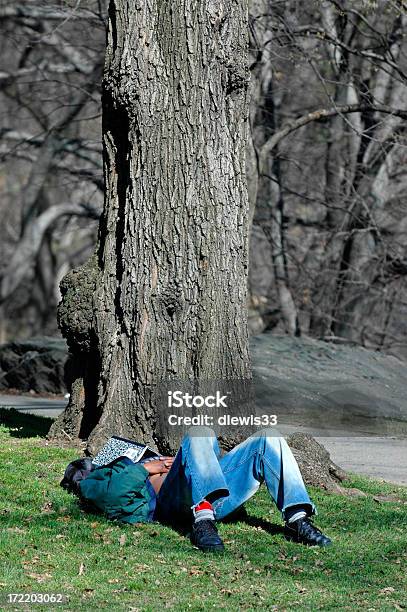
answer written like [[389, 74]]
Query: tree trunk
[[170, 297]]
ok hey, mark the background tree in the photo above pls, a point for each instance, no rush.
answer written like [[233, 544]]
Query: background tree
[[328, 241], [51, 169]]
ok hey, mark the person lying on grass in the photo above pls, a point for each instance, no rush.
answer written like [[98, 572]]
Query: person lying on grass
[[201, 487]]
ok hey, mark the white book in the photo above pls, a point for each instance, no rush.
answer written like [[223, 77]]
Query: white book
[[117, 447]]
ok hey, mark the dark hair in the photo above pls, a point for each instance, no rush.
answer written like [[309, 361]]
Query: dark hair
[[75, 472]]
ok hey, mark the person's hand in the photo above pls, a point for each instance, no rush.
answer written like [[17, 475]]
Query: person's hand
[[159, 466]]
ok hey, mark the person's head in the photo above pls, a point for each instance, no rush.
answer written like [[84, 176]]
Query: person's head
[[75, 472]]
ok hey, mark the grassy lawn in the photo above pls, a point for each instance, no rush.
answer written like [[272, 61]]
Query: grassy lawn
[[47, 545]]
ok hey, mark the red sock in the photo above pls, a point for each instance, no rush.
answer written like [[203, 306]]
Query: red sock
[[203, 511]]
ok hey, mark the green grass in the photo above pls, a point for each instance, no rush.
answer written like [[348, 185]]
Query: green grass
[[48, 545]]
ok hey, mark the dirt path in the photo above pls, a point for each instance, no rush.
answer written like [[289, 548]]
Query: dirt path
[[377, 457], [38, 406]]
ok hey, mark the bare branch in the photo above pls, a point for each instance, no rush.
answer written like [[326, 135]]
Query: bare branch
[[24, 256], [324, 113], [70, 145], [41, 12]]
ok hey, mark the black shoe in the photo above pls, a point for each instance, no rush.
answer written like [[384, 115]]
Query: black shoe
[[205, 536], [304, 532]]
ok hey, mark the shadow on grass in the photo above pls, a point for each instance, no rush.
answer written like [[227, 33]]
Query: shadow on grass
[[22, 425], [271, 528], [239, 516]]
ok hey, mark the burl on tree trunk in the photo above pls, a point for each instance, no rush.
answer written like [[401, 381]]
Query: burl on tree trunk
[[165, 295]]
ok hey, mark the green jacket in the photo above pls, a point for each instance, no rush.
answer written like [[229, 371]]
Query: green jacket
[[121, 490]]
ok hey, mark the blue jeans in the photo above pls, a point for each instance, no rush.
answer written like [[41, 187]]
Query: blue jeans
[[199, 472]]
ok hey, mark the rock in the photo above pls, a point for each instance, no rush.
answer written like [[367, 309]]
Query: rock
[[37, 364], [329, 389], [316, 465]]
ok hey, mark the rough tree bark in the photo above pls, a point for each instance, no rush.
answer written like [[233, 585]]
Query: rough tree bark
[[165, 297]]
